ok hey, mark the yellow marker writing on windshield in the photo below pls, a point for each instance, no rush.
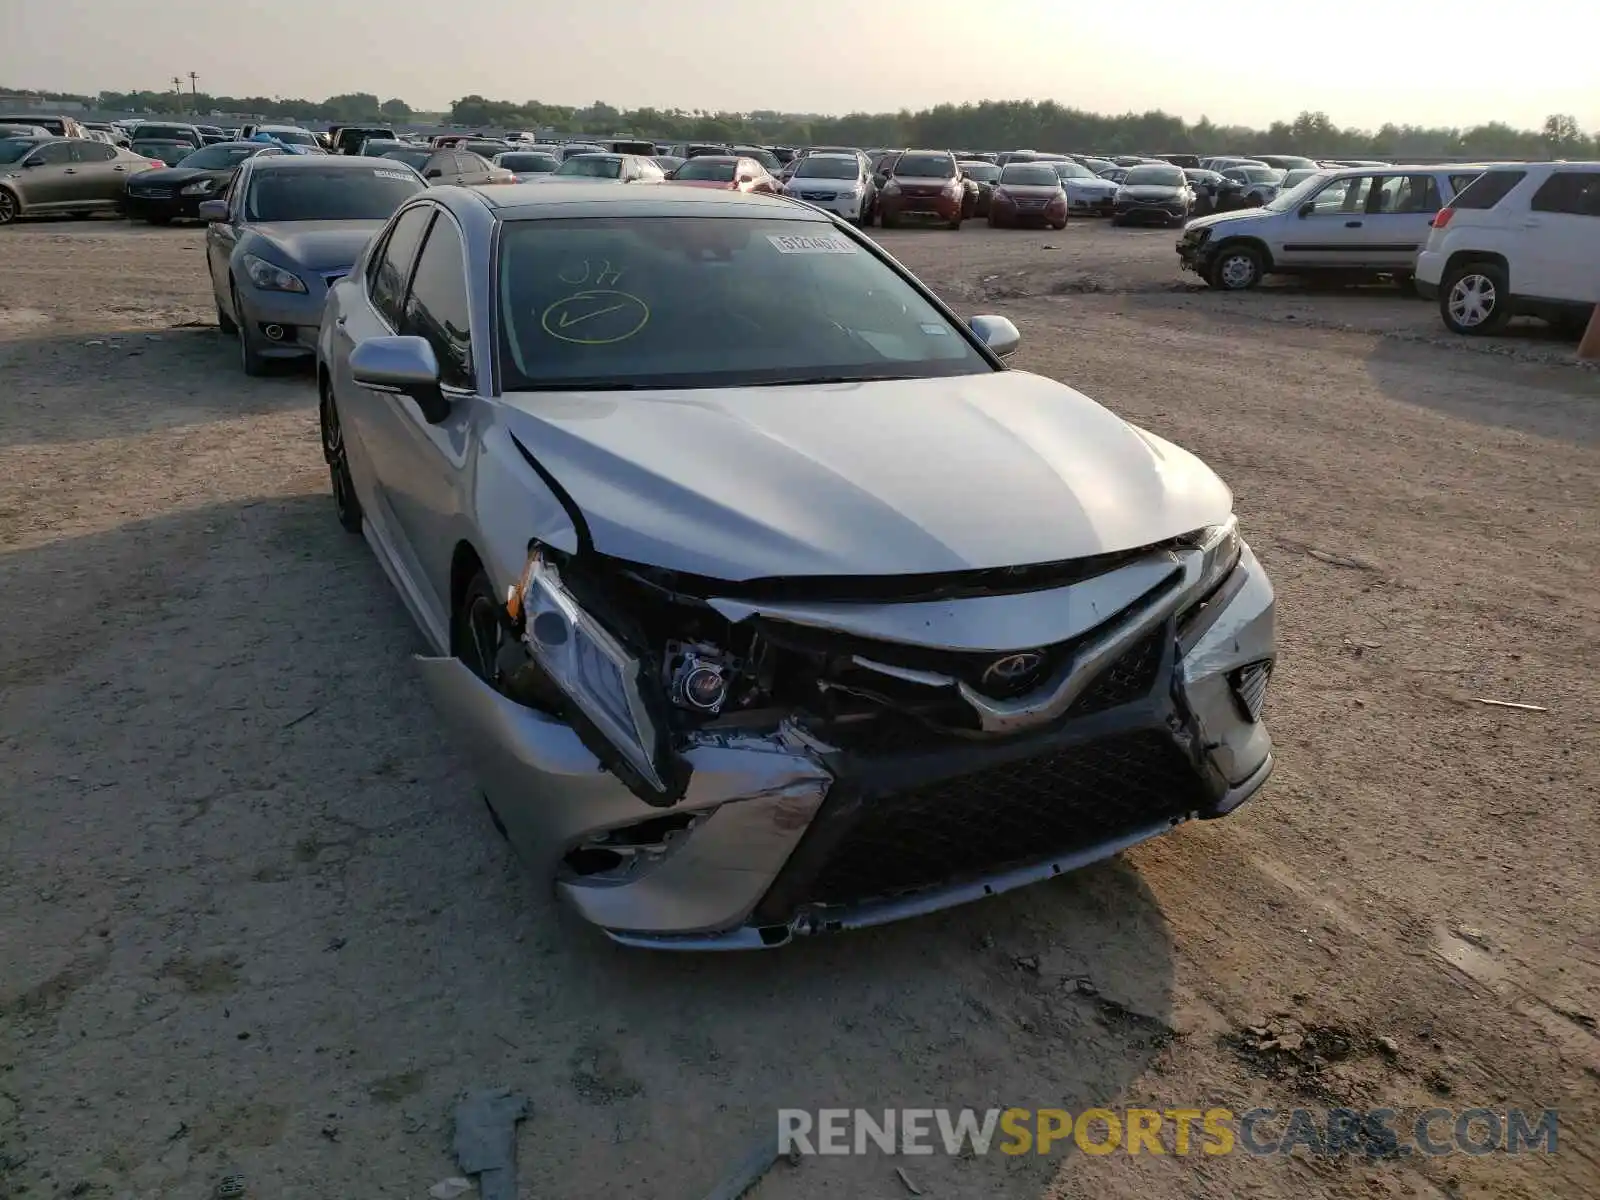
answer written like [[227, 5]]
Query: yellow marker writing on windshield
[[595, 317]]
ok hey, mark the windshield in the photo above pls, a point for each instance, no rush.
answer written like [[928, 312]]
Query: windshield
[[1072, 170], [411, 156], [12, 149], [766, 158], [1296, 176], [374, 147], [926, 166], [1029, 175], [329, 194], [1154, 177], [531, 164], [171, 153], [1259, 174], [165, 133], [1292, 197], [593, 166], [716, 170], [815, 166], [689, 302], [219, 158], [981, 171], [294, 137]]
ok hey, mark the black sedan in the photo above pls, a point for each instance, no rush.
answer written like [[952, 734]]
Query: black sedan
[[1153, 192], [163, 195]]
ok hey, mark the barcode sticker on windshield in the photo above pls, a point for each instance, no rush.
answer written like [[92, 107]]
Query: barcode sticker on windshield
[[788, 243], [392, 175]]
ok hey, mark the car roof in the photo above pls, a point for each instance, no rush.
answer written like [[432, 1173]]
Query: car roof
[[531, 202]]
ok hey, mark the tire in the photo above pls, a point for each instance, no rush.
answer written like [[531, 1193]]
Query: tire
[[250, 359], [9, 208], [1475, 299], [158, 220], [1236, 269], [346, 504], [955, 225], [475, 630], [225, 323], [1058, 226], [1117, 222], [993, 223], [890, 221], [1406, 282]]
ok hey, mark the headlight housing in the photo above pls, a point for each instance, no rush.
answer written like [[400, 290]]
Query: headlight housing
[[271, 278], [203, 187], [586, 662], [1220, 547]]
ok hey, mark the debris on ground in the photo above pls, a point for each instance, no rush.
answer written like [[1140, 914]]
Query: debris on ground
[[906, 1179], [1510, 704], [229, 1187], [486, 1140], [449, 1189], [750, 1170]]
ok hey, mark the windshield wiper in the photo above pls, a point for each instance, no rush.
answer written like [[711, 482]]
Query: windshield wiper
[[813, 379]]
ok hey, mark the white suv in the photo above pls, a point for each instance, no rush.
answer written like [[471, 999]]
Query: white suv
[[1522, 239], [1361, 220]]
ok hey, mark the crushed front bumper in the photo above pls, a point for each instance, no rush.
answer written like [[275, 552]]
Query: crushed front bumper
[[780, 835]]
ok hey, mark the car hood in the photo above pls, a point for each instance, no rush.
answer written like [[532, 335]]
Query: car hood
[[724, 184], [1225, 218], [833, 479], [1089, 185], [1150, 191], [319, 245], [177, 176]]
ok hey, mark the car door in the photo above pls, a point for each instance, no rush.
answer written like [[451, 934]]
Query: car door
[[1400, 210], [1560, 238], [1328, 228], [421, 461], [376, 310], [101, 173], [46, 178], [221, 237]]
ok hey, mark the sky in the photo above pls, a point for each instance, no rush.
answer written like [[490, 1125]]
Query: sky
[[1363, 62]]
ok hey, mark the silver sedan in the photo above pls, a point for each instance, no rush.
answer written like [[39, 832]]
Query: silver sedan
[[766, 597]]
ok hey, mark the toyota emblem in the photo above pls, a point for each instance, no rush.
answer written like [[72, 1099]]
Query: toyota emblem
[[1013, 669]]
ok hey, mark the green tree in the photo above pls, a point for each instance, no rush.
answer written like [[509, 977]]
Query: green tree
[[395, 110]]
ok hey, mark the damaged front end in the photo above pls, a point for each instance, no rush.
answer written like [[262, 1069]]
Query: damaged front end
[[710, 765]]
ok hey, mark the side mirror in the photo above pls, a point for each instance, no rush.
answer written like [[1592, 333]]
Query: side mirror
[[213, 210], [1308, 208], [401, 366], [433, 173], [997, 333], [33, 162]]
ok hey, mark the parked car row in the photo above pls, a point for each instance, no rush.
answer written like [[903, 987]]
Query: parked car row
[[1488, 242]]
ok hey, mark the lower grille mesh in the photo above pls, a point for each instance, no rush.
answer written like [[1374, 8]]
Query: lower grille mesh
[[1007, 815]]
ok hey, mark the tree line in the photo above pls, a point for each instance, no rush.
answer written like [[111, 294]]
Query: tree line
[[990, 125]]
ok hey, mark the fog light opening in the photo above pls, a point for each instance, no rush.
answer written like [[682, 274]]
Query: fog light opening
[[1250, 687], [274, 333]]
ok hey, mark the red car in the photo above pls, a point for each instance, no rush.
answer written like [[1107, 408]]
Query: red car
[[726, 171], [922, 183], [1028, 193]]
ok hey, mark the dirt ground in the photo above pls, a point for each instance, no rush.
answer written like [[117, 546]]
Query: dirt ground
[[256, 920]]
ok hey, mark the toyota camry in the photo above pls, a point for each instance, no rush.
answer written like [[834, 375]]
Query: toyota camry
[[766, 597]]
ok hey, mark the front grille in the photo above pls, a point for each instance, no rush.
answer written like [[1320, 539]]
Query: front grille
[[1127, 679], [154, 193], [1008, 815], [816, 196]]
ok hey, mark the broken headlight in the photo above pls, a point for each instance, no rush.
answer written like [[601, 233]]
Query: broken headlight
[[1221, 547], [586, 662]]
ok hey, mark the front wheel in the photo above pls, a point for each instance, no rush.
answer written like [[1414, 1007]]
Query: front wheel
[[8, 207], [346, 505], [956, 224], [1475, 299], [1235, 269], [251, 360], [890, 221]]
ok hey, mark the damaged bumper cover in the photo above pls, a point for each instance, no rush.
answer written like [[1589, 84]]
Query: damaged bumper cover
[[781, 834]]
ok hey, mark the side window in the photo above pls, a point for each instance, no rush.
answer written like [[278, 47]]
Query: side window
[[391, 265], [436, 307], [54, 153], [92, 152], [1348, 195], [1574, 192], [1398, 194]]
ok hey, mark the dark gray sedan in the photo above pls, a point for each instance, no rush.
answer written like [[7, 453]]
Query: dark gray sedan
[[289, 228]]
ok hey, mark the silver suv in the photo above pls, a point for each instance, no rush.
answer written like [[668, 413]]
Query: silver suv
[[1368, 220]]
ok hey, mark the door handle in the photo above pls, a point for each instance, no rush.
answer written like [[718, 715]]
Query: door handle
[[1352, 224], [119, 168], [69, 170], [1532, 224]]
